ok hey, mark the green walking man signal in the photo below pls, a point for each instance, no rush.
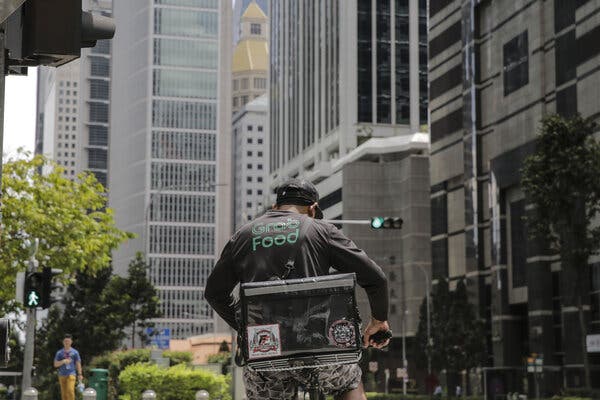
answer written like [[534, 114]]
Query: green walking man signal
[[386, 222], [33, 289]]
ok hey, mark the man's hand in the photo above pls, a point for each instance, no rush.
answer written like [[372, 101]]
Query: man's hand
[[67, 361], [374, 327]]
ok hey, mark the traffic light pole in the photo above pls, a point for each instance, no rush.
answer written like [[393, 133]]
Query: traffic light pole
[[29, 328]]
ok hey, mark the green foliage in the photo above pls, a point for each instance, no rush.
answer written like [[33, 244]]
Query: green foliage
[[174, 383], [70, 219], [561, 179], [220, 358], [178, 357], [458, 336], [138, 296]]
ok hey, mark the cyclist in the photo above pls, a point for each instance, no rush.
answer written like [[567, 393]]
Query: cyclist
[[290, 242]]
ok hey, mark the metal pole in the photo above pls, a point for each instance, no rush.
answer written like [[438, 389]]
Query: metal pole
[[2, 82], [404, 363], [428, 330], [30, 328], [348, 221]]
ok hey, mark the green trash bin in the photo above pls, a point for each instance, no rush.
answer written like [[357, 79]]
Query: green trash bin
[[99, 381]]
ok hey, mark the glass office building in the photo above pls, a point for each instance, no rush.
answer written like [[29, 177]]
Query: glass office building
[[164, 164]]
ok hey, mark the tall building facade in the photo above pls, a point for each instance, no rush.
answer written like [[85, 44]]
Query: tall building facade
[[250, 65], [73, 102], [348, 99], [250, 139], [496, 68], [238, 10], [170, 141], [342, 72], [58, 114]]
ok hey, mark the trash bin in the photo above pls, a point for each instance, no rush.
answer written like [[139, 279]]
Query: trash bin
[[99, 382]]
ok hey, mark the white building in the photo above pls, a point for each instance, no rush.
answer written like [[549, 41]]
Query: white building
[[73, 102], [250, 140], [170, 141]]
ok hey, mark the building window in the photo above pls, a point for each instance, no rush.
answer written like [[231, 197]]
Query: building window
[[249, 153], [259, 192], [248, 179], [260, 153], [260, 141], [250, 128], [516, 63], [260, 83], [250, 140], [255, 29], [260, 166], [235, 101], [244, 100], [244, 83], [249, 205], [249, 191], [235, 84], [259, 179], [259, 128], [249, 166]]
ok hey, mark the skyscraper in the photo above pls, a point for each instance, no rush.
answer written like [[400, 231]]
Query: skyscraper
[[497, 68], [348, 98], [73, 103], [170, 148]]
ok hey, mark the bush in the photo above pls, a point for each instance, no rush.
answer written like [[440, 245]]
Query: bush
[[175, 383], [178, 357]]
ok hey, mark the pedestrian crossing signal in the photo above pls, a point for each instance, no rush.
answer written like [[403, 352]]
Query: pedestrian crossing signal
[[32, 296], [386, 222]]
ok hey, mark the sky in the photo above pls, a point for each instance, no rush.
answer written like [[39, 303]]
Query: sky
[[19, 112]]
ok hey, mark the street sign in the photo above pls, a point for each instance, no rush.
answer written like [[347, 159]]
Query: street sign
[[593, 343], [159, 338]]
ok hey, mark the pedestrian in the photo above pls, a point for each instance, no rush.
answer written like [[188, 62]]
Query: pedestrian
[[67, 360], [10, 393], [291, 242], [458, 391], [437, 393]]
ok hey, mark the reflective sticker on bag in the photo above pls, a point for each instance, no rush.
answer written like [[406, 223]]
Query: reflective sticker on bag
[[264, 341]]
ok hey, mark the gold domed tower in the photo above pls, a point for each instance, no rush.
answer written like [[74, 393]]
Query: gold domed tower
[[250, 66]]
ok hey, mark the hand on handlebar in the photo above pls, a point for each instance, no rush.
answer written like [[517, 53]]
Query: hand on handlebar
[[373, 328]]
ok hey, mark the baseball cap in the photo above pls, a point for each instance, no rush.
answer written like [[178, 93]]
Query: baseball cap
[[299, 192]]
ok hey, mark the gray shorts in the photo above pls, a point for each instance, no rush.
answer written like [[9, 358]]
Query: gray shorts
[[283, 385]]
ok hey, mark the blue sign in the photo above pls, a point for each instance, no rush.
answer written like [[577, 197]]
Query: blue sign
[[159, 337]]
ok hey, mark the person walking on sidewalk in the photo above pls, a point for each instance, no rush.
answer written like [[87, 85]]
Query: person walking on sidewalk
[[67, 360]]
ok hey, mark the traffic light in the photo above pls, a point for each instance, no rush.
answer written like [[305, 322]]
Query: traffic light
[[386, 222], [52, 33], [49, 286], [32, 296], [4, 347]]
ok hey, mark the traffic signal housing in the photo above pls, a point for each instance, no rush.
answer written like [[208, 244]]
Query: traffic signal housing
[[49, 286], [52, 33], [386, 222], [4, 347], [32, 295]]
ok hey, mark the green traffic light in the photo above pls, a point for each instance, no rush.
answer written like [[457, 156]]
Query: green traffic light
[[377, 222], [33, 299]]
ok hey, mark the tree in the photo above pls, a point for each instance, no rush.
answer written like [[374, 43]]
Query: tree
[[561, 180], [140, 296], [458, 336], [70, 219]]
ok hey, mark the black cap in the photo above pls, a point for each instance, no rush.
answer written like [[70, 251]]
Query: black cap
[[299, 192], [67, 336]]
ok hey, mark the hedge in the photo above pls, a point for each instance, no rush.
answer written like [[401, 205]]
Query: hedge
[[174, 383]]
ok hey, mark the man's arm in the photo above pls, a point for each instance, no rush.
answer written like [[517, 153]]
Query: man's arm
[[347, 257], [219, 286], [58, 363], [78, 366]]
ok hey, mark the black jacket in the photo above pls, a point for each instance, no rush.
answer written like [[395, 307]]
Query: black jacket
[[287, 245]]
